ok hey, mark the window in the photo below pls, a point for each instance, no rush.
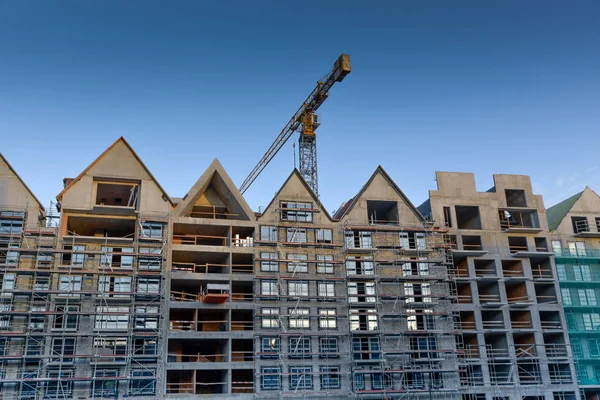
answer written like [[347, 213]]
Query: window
[[328, 348], [116, 257], [11, 222], [361, 292], [117, 194], [299, 318], [270, 317], [298, 289], [330, 377], [587, 297], [69, 283], [268, 233], [577, 248], [74, 256], [420, 240], [114, 318], [358, 240], [12, 257], [359, 266], [447, 217], [146, 318], [591, 322], [363, 320], [327, 318], [324, 236], [270, 378], [8, 281], [109, 285], [580, 224], [296, 235], [566, 296], [41, 283], [268, 287], [66, 318], [326, 289], [59, 386], [562, 272], [582, 272], [296, 211], [269, 262], [404, 240], [5, 319], [557, 247], [324, 263], [299, 347], [297, 263], [271, 347], [143, 382], [151, 230], [144, 346], [148, 285], [467, 217], [301, 378], [34, 346], [594, 347], [365, 348], [151, 260], [62, 347], [37, 321], [358, 381]]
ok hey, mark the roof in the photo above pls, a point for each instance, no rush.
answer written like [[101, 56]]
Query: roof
[[308, 189], [557, 212], [425, 208], [187, 202], [348, 206], [22, 182], [119, 140]]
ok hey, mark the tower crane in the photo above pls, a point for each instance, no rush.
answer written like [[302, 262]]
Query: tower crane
[[306, 121]]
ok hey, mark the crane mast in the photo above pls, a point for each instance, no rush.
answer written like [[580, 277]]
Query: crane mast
[[304, 120]]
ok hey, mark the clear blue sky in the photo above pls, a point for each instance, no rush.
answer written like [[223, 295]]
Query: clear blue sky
[[481, 86]]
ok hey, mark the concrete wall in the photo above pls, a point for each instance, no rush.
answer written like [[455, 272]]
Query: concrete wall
[[14, 195]]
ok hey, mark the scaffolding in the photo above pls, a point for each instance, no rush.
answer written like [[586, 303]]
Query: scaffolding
[[75, 322], [403, 320], [301, 315]]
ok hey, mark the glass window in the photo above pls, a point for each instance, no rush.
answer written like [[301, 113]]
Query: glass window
[[268, 233], [299, 347], [151, 260], [139, 386], [587, 297], [324, 236], [151, 230], [298, 288], [269, 262], [8, 281], [297, 263], [67, 317], [557, 247], [296, 211], [299, 318], [301, 378], [296, 235], [324, 263], [109, 286], [270, 317], [270, 378], [327, 318], [328, 347], [113, 318], [326, 289], [363, 320], [330, 377], [69, 283], [271, 347], [404, 240], [577, 249], [562, 272], [591, 322], [148, 285], [594, 347], [582, 272], [268, 287], [566, 296]]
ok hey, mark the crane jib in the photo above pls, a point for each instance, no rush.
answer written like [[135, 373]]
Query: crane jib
[[304, 116]]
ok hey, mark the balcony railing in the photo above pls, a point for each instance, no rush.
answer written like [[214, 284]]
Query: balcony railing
[[592, 253]]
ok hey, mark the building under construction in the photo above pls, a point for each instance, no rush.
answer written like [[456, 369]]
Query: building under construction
[[129, 293]]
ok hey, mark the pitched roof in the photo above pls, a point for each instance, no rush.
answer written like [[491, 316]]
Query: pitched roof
[[557, 212], [347, 207], [22, 182], [119, 140], [297, 173], [188, 201], [425, 208]]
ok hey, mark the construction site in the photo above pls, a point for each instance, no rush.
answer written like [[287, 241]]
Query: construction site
[[118, 290]]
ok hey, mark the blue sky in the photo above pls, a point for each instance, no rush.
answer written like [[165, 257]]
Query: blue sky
[[480, 86]]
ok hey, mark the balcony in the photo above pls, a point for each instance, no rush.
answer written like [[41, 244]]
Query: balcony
[[518, 220], [576, 253]]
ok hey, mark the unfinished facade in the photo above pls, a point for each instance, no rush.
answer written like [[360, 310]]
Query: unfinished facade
[[513, 343], [134, 294], [575, 232], [401, 316]]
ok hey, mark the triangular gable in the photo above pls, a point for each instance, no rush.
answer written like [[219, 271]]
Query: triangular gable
[[347, 208], [557, 213], [297, 175], [104, 153], [216, 188], [11, 169]]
